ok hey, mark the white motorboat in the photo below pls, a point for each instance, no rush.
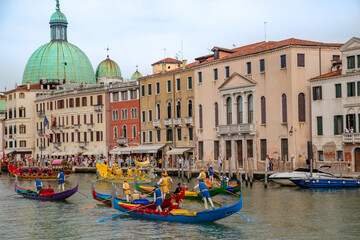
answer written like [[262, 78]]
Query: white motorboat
[[283, 178]]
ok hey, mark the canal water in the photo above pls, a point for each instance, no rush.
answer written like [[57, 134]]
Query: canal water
[[278, 212]]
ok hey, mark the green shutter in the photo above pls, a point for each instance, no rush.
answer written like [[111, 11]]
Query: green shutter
[[347, 122], [314, 93], [358, 87], [335, 126], [320, 92], [319, 126], [342, 124], [348, 89]]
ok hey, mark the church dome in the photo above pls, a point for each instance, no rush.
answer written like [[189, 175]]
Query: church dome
[[108, 69], [136, 75], [59, 59]]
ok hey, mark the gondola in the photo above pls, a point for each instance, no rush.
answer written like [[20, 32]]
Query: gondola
[[104, 175], [27, 193], [178, 215], [326, 182], [57, 165], [107, 199], [233, 188], [188, 194]]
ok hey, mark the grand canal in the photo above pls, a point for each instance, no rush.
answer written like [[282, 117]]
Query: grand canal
[[278, 212]]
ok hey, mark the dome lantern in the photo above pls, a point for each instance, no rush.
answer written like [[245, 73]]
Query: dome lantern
[[58, 25]]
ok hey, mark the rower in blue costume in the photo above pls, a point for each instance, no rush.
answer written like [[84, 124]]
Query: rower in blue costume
[[158, 198], [204, 193], [224, 179], [211, 172], [38, 185], [61, 177]]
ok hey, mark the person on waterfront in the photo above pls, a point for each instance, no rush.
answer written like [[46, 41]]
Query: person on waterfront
[[202, 174], [204, 193], [126, 190], [39, 186], [163, 184], [211, 172], [160, 163], [351, 130], [178, 189], [158, 197], [346, 130], [61, 178]]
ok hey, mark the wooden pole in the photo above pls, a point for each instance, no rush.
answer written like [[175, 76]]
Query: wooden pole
[[266, 171], [250, 171], [188, 167], [311, 167], [246, 171], [229, 166], [340, 169], [237, 169]]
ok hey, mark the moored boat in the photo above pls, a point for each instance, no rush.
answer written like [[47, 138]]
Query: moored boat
[[283, 178], [27, 193], [178, 215], [233, 188], [326, 183]]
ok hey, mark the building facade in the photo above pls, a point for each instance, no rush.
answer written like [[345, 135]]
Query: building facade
[[335, 105]]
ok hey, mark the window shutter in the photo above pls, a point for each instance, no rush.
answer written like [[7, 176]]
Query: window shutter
[[314, 93], [347, 122], [320, 92], [348, 89], [358, 85], [335, 126]]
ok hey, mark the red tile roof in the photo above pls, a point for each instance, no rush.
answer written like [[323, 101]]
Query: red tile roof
[[167, 60], [330, 74]]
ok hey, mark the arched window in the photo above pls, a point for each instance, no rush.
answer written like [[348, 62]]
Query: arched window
[[228, 110], [190, 108], [284, 108], [239, 110], [178, 109], [216, 111], [263, 110], [113, 114], [158, 113], [169, 110], [250, 109], [301, 107], [126, 113], [115, 133], [200, 117], [133, 131], [124, 131]]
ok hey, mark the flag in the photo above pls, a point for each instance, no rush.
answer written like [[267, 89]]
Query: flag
[[46, 121], [47, 135]]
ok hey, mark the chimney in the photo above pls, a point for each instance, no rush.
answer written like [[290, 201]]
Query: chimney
[[28, 85], [163, 68], [184, 63], [15, 85]]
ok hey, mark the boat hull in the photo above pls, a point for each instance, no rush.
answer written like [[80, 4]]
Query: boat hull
[[326, 183], [283, 178]]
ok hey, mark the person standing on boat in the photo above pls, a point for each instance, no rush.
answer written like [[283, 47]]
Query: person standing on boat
[[163, 184], [38, 185], [126, 190], [61, 177], [202, 175], [204, 193], [169, 181], [158, 198], [211, 172]]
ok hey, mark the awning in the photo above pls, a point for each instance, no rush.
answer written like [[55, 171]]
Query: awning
[[7, 151], [56, 161], [122, 150], [149, 148], [178, 151], [89, 153]]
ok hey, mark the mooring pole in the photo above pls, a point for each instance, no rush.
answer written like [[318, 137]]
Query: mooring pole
[[266, 171]]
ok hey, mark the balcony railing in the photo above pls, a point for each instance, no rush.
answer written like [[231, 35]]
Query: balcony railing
[[42, 148], [168, 122], [90, 126], [157, 123], [77, 127], [82, 144], [61, 127], [122, 140], [189, 121], [351, 138], [98, 107], [41, 113], [57, 144], [177, 121], [41, 132], [243, 128]]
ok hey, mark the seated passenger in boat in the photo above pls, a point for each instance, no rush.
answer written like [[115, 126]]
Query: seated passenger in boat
[[173, 204], [135, 195]]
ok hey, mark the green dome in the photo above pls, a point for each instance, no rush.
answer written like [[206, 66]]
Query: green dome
[[59, 59], [136, 75], [108, 68], [58, 16]]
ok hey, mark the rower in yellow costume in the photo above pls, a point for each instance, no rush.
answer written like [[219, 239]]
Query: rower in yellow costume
[[163, 184], [126, 190], [137, 171], [129, 173], [169, 181], [119, 173], [202, 175]]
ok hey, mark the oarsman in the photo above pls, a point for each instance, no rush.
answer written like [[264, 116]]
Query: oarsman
[[163, 184], [38, 184], [224, 179], [61, 178], [202, 175], [211, 172], [204, 193], [158, 198], [126, 190], [130, 173], [169, 181]]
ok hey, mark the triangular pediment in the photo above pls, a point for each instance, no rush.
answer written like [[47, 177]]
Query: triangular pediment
[[353, 43], [237, 80]]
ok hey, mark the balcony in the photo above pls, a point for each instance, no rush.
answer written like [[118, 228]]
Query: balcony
[[40, 113], [77, 127], [41, 132], [351, 138], [189, 121], [157, 123], [98, 107], [122, 140], [168, 122], [244, 128], [177, 121], [61, 127], [82, 144], [57, 145], [90, 126], [42, 148]]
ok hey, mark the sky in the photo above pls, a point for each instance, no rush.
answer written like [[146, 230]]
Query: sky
[[141, 32]]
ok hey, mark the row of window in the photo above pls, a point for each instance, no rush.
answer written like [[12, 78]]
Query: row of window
[[123, 132], [11, 96], [352, 88], [97, 136], [350, 124], [70, 103], [74, 120], [13, 144], [169, 135], [168, 87], [12, 113], [12, 129], [169, 111], [351, 62], [123, 95], [124, 114]]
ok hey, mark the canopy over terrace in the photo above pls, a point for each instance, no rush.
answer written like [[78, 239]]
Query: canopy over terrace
[[122, 150], [150, 148], [179, 151]]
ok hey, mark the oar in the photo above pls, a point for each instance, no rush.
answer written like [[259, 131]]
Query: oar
[[101, 220], [3, 177], [232, 193], [9, 196], [96, 203], [77, 191], [217, 202], [249, 220]]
